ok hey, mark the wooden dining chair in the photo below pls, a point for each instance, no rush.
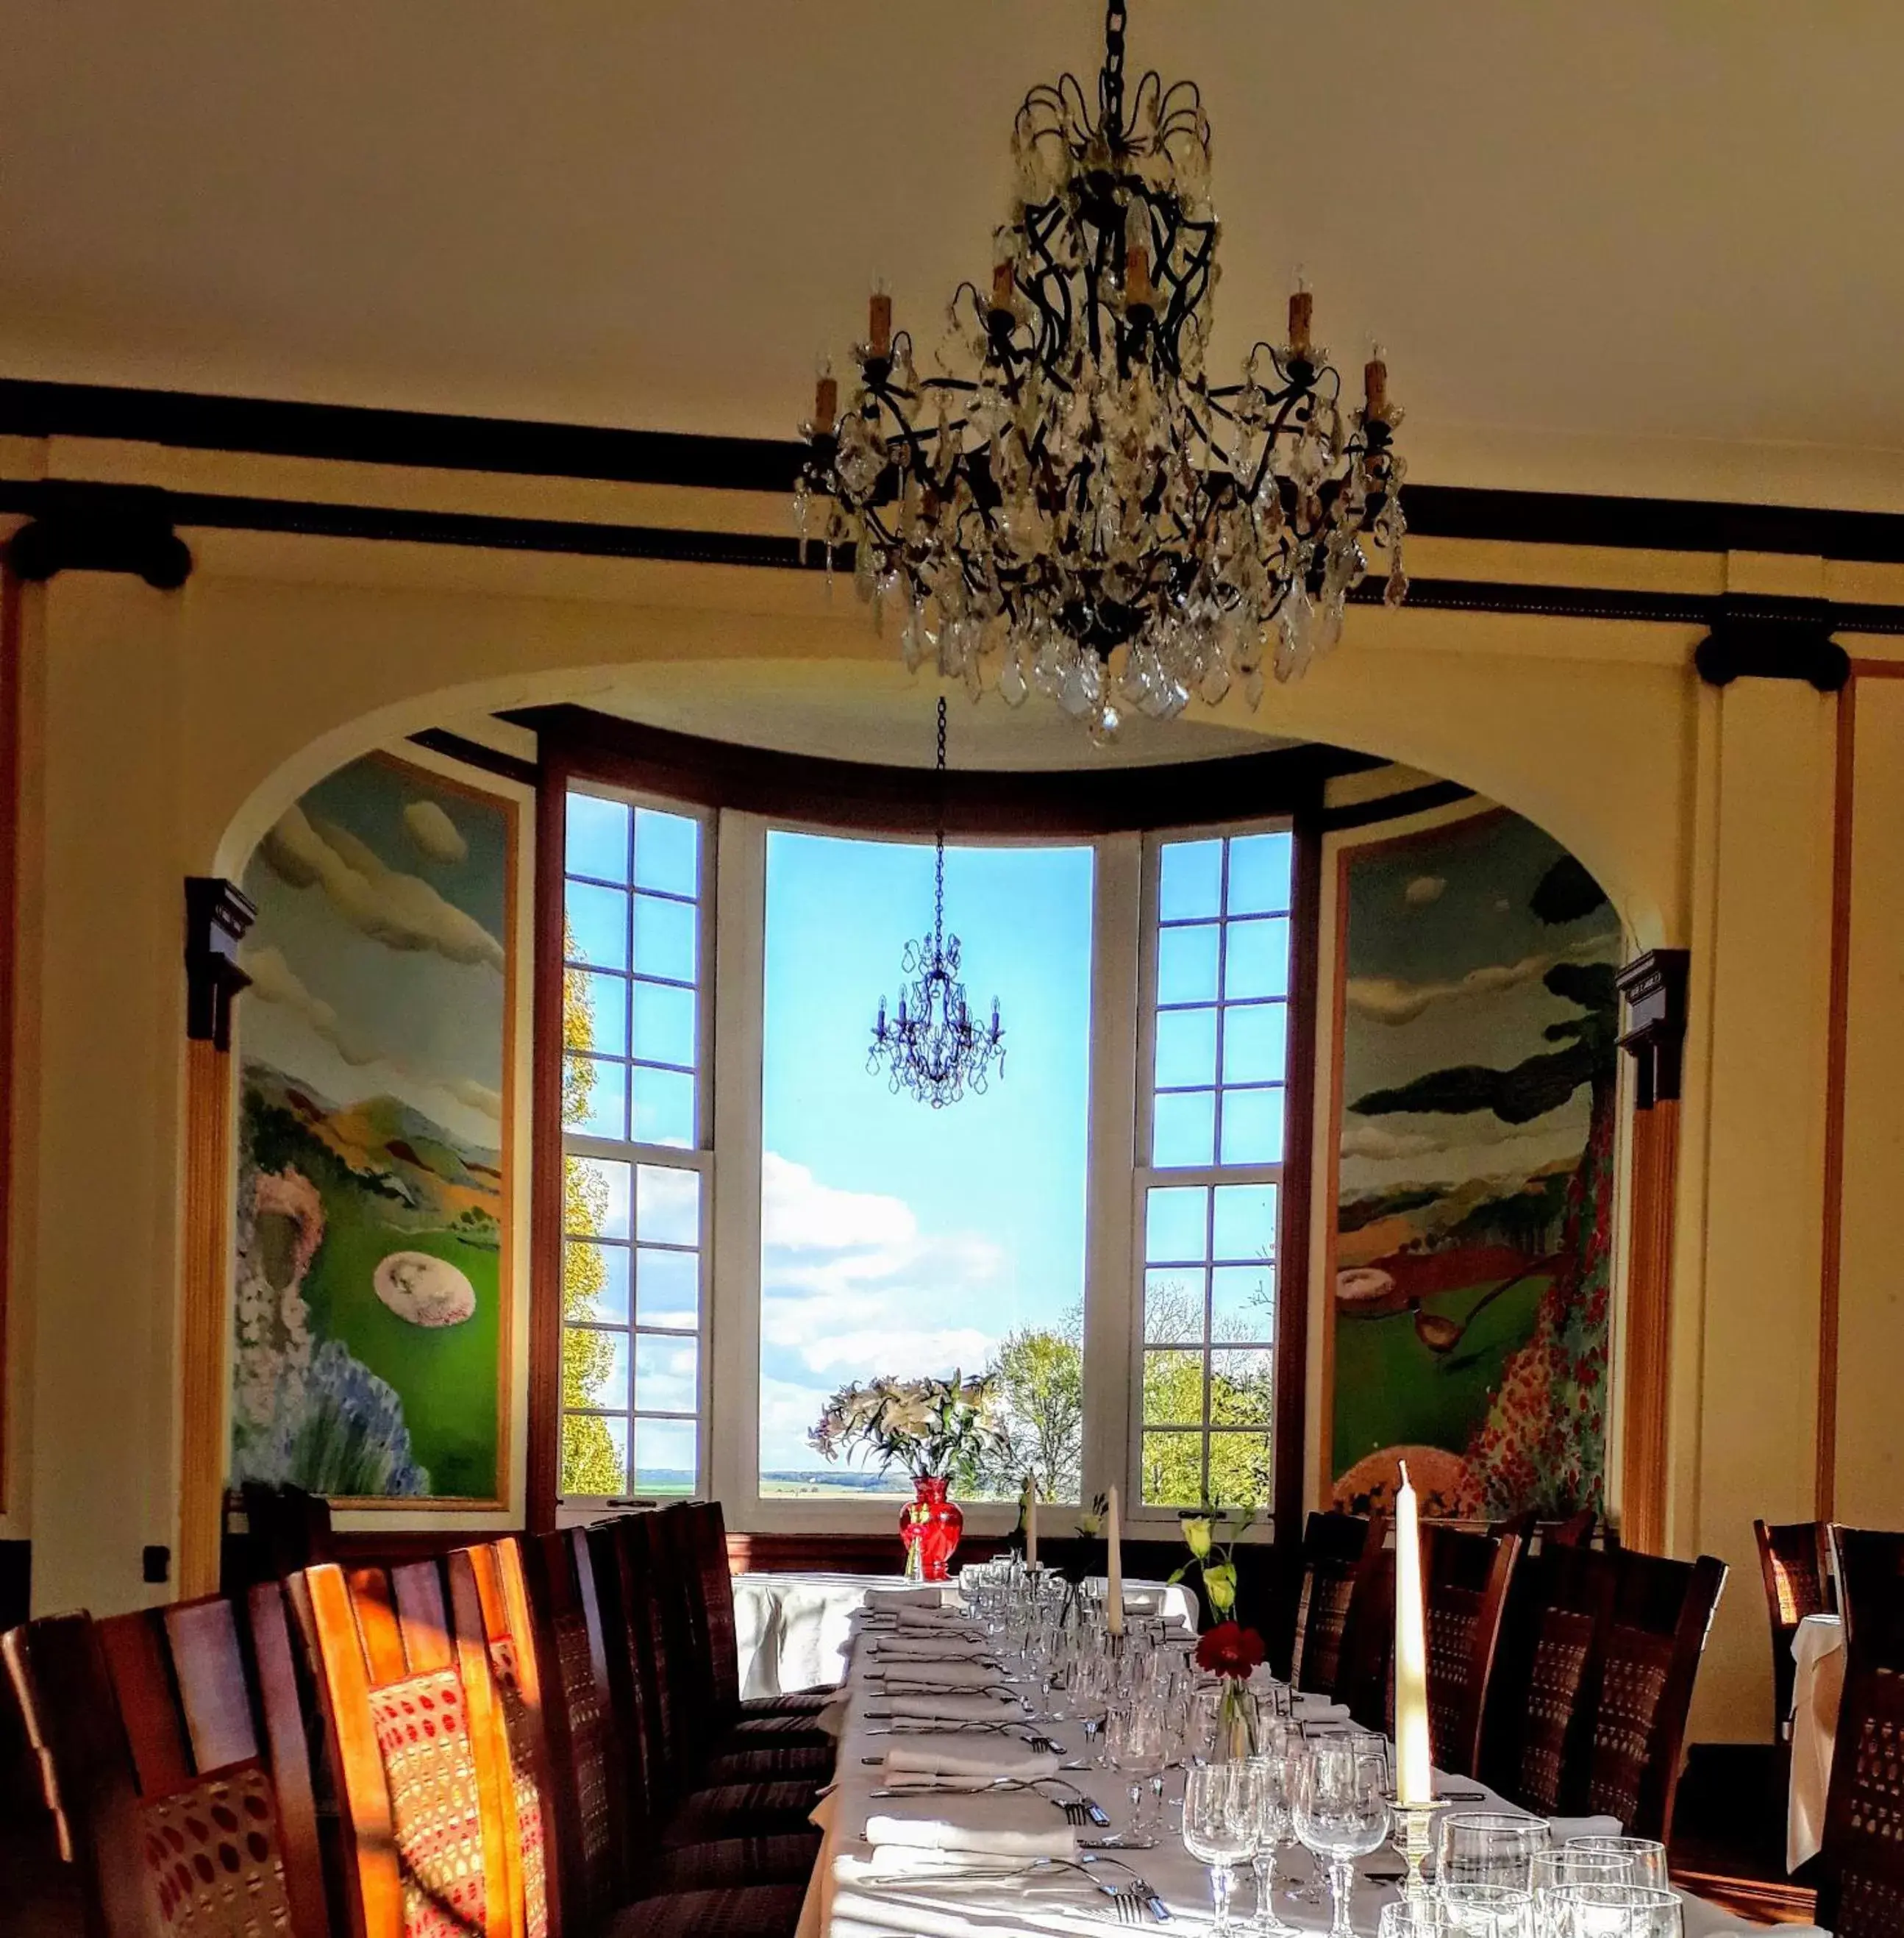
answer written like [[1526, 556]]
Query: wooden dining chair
[[178, 1768], [1869, 1566], [1795, 1563], [1648, 1661], [1861, 1858], [1467, 1580], [417, 1753], [1338, 1550]]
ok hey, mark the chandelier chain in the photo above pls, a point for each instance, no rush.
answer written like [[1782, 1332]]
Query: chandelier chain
[[1115, 18]]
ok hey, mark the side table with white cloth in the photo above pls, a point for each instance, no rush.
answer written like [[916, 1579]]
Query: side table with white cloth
[[909, 1852], [792, 1630], [1817, 1689]]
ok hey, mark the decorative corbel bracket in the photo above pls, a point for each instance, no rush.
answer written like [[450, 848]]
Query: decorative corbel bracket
[[87, 528], [1768, 639], [216, 918], [1654, 985]]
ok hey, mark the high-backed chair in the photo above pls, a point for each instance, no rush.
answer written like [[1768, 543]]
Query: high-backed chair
[[1467, 1579], [179, 1771], [1795, 1561], [1649, 1660], [1861, 1859], [1868, 1564], [1337, 1550]]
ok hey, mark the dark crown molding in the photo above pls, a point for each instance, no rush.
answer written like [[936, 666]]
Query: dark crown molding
[[79, 527], [1781, 639], [218, 916], [1655, 986]]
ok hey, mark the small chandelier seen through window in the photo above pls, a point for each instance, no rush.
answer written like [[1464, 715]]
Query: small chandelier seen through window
[[1071, 504], [931, 1047]]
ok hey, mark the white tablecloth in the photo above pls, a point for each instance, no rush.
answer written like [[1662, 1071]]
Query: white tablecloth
[[1818, 1648], [793, 1630], [847, 1900]]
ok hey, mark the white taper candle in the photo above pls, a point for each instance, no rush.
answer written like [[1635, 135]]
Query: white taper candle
[[1414, 1781], [1114, 1572], [1030, 1520]]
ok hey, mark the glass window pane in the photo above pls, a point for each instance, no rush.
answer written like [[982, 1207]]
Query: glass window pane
[[1173, 1469], [1186, 964], [597, 920], [1192, 882], [1241, 1471], [667, 1374], [664, 1108], [1243, 1224], [1259, 874], [1173, 1305], [664, 1457], [1184, 1128], [664, 1024], [667, 1205], [595, 1013], [1252, 1126], [595, 1197], [1256, 958], [1256, 1042], [1186, 1047], [1242, 1388], [595, 1097], [594, 1367], [667, 1288], [597, 838], [594, 1454], [1243, 1304], [1173, 1387], [667, 852], [595, 1283], [1173, 1222], [666, 937]]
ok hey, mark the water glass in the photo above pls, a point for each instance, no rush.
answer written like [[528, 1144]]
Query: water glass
[[1490, 1910], [1610, 1911], [1647, 1856], [1568, 1864], [1415, 1918], [1339, 1805], [1488, 1847], [1221, 1827]]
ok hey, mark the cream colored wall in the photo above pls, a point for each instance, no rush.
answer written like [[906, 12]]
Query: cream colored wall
[[170, 730]]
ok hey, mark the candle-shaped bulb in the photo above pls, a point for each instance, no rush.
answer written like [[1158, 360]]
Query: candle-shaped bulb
[[1001, 285], [1137, 277], [879, 323], [1375, 382], [826, 399], [1302, 309]]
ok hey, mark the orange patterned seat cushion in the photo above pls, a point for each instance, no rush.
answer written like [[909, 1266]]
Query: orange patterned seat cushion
[[212, 1857], [423, 1733]]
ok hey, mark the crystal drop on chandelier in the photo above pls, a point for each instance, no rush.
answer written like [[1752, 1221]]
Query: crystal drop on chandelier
[[930, 1047], [1072, 507]]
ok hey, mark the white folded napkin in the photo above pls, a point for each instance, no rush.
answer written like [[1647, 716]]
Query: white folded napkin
[[927, 1595], [926, 1648], [950, 1705], [937, 1621], [998, 1827], [979, 1758], [1565, 1829], [930, 1675], [1319, 1709]]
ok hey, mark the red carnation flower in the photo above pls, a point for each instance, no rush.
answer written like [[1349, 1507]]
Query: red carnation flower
[[1230, 1650]]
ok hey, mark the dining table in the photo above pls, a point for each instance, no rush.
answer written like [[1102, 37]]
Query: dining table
[[1046, 1877], [792, 1630], [1817, 1690]]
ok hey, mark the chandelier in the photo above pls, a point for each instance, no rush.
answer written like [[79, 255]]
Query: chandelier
[[1070, 504], [932, 1047]]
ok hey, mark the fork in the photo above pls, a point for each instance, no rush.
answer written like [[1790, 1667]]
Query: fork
[[1131, 1903]]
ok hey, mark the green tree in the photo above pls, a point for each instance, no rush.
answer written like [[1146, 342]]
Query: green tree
[[1037, 1410], [1242, 1393], [590, 1463]]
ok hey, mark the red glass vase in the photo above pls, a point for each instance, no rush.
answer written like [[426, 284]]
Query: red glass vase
[[930, 1525]]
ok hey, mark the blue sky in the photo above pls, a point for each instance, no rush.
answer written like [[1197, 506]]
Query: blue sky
[[898, 1238]]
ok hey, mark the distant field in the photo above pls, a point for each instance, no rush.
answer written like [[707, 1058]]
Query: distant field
[[833, 1484]]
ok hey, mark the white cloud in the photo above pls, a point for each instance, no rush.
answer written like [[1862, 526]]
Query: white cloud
[[1387, 999], [274, 980], [434, 832], [1383, 1145], [401, 911], [1424, 889]]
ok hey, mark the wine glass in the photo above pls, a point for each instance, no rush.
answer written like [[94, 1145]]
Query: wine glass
[[1221, 1827], [1488, 1847], [1139, 1744], [1273, 1822], [1612, 1911], [1341, 1812], [1647, 1855]]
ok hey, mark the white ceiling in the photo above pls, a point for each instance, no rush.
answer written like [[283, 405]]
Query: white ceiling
[[1630, 244]]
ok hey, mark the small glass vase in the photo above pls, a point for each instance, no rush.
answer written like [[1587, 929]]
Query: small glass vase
[[1238, 1734], [930, 1525]]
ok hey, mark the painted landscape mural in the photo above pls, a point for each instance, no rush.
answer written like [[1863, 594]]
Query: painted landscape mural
[[372, 1283], [1475, 1187]]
